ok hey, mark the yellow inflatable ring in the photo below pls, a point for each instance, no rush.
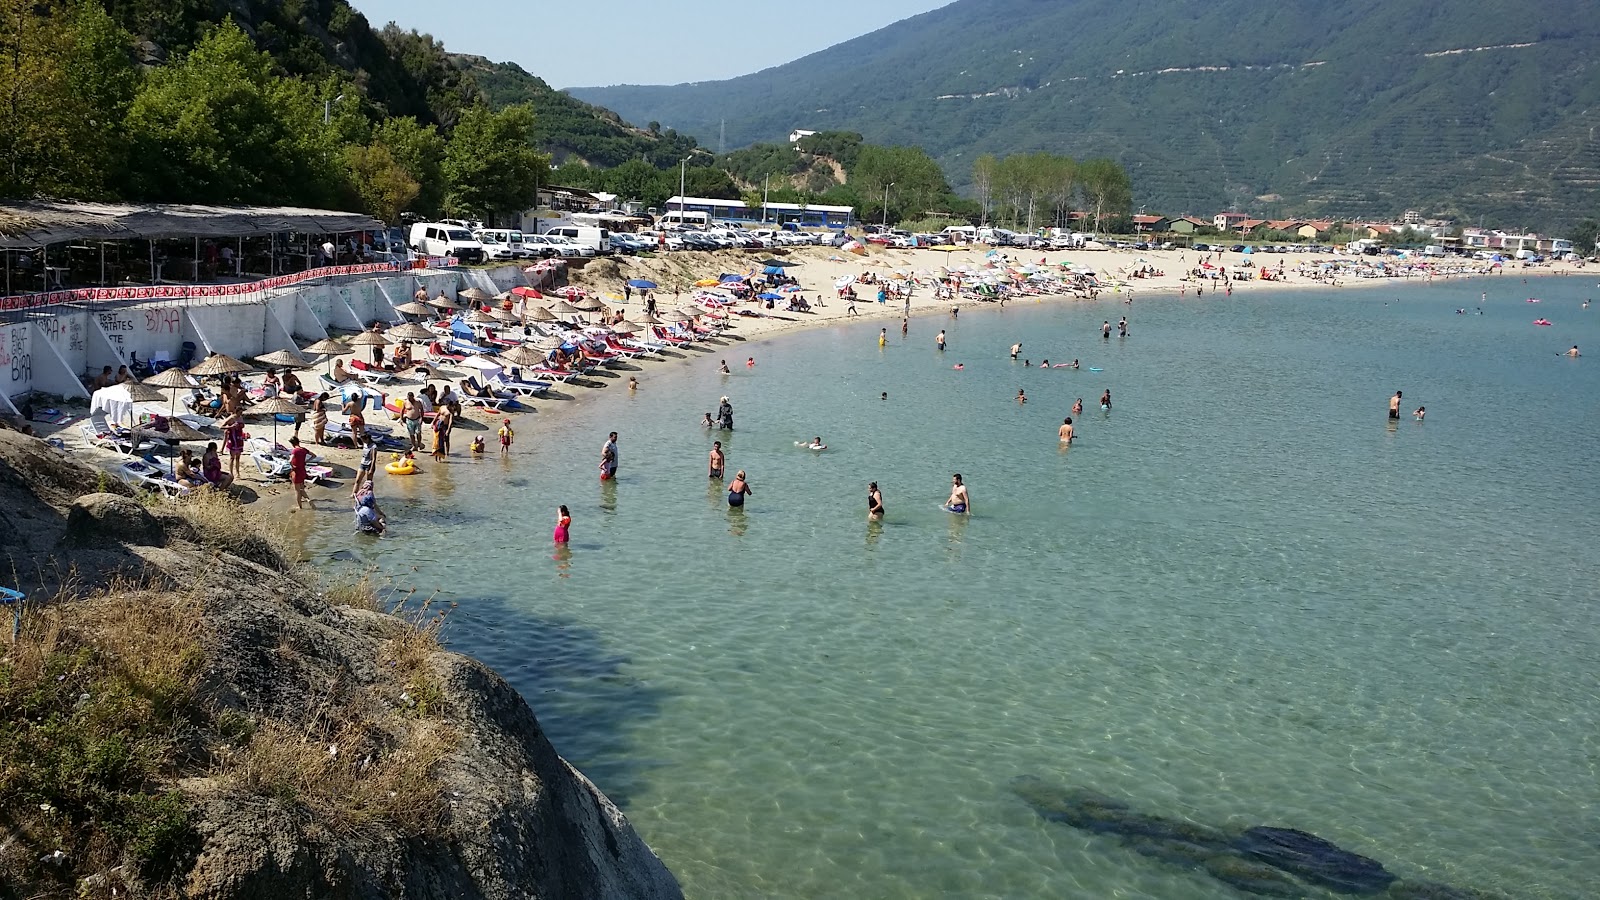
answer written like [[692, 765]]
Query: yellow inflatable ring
[[400, 466]]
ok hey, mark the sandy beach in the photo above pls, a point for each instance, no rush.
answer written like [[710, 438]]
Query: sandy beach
[[817, 270]]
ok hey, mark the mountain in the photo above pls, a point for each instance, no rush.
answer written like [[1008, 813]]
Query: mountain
[[568, 128], [1337, 108]]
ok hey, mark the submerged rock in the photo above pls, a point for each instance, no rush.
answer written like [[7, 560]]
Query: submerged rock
[[1432, 890], [1316, 860], [1253, 877]]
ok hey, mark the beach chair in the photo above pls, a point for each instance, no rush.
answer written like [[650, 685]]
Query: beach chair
[[369, 373], [100, 433], [142, 474], [519, 387]]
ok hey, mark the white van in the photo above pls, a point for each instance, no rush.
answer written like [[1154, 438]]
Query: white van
[[439, 239], [502, 243], [596, 239]]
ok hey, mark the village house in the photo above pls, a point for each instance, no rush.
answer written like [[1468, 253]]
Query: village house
[[1186, 225], [1227, 221]]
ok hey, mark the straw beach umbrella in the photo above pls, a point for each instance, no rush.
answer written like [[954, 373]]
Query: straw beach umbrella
[[475, 295], [651, 319], [678, 315], [409, 332], [286, 358], [369, 339], [328, 347], [587, 304], [506, 316], [219, 364], [275, 407], [442, 303], [626, 327], [540, 314], [563, 308], [177, 380], [413, 308], [479, 317], [522, 355]]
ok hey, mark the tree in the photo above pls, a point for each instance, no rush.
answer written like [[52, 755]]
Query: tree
[[219, 127], [491, 165], [916, 180], [1583, 237], [419, 150], [1106, 187], [65, 81], [638, 180], [382, 184], [983, 176]]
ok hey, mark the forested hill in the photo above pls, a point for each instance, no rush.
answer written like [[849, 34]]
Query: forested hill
[[1348, 107], [401, 72]]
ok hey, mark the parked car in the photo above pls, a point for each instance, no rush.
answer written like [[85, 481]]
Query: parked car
[[1203, 248]]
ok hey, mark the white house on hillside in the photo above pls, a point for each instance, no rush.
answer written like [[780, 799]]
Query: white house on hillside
[[797, 134]]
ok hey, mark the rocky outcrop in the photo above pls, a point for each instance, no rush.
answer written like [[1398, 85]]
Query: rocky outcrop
[[333, 750]]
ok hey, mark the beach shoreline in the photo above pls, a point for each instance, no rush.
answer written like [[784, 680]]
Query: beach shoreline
[[817, 270]]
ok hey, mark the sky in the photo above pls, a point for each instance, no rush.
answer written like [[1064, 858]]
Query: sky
[[585, 43]]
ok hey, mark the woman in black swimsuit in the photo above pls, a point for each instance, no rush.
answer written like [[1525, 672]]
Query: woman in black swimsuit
[[874, 501]]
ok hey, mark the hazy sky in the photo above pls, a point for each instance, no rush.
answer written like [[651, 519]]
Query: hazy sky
[[571, 43]]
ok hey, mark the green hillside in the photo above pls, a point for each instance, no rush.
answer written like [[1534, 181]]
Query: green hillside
[[1352, 108]]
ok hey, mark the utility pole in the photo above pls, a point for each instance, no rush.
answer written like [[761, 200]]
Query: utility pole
[[683, 172], [764, 180], [886, 205]]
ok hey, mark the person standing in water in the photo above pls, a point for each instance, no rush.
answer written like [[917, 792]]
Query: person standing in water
[[1016, 349], [1122, 327], [738, 490], [959, 501], [1105, 400], [608, 459], [1394, 406], [1065, 431], [1021, 396], [1421, 413], [723, 369], [563, 522], [883, 337], [874, 501], [717, 461], [1573, 352], [939, 341], [1077, 408], [1105, 329]]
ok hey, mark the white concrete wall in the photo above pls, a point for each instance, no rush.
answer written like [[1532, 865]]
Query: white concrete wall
[[51, 373], [16, 359], [144, 330], [234, 329], [68, 332]]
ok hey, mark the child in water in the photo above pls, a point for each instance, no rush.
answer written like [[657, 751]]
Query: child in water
[[563, 522], [477, 447], [506, 437]]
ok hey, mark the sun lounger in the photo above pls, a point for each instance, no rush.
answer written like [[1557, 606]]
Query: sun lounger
[[370, 373], [100, 433], [142, 474], [520, 388]]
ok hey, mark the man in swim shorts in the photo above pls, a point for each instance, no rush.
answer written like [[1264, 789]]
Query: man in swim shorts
[[1015, 349], [959, 502], [1394, 406], [608, 459], [717, 461], [939, 341]]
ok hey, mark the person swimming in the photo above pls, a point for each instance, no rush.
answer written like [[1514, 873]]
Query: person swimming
[[816, 444], [1077, 408], [1021, 396], [1045, 364], [723, 369]]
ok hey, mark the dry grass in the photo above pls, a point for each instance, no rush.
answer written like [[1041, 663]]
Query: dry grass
[[358, 592], [223, 523], [94, 697], [349, 775]]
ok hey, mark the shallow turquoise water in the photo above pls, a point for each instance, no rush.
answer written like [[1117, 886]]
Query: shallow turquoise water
[[1243, 598]]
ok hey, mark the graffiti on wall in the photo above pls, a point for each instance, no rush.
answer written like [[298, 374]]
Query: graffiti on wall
[[16, 362]]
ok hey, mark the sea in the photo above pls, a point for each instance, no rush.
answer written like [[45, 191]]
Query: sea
[[1243, 597]]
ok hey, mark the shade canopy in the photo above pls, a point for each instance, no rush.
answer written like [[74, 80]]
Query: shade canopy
[[35, 223], [328, 347], [442, 303], [522, 355], [131, 392], [540, 314], [219, 364], [179, 430], [483, 363], [678, 315], [779, 263], [506, 316], [275, 406], [475, 294], [413, 308], [587, 304], [644, 283], [480, 317], [527, 293], [171, 378], [626, 327], [286, 358], [564, 308], [409, 332], [650, 319], [369, 339]]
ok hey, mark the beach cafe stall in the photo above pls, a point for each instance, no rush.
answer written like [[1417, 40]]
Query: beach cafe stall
[[61, 245]]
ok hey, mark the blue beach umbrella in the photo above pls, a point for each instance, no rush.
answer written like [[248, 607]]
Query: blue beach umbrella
[[642, 283], [726, 278], [768, 295]]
